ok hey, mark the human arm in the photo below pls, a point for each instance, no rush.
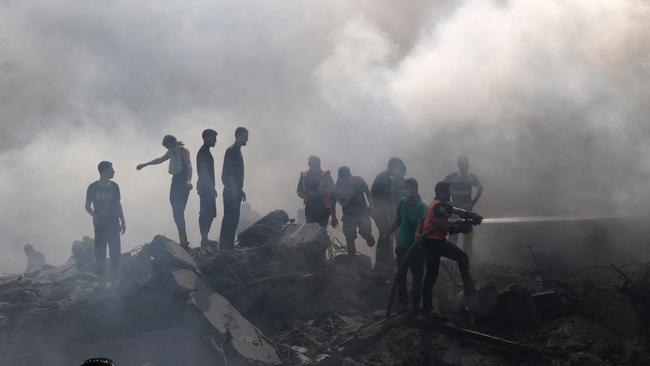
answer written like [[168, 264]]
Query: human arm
[[300, 191], [366, 191], [156, 161], [118, 208], [89, 207], [476, 183], [185, 154], [392, 228], [334, 221]]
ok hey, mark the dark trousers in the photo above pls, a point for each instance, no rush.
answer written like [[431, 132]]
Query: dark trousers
[[207, 211], [384, 217], [231, 210], [320, 218], [431, 252], [178, 195], [416, 273], [107, 234]]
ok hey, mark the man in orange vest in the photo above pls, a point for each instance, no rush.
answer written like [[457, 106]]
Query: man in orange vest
[[315, 188], [433, 232]]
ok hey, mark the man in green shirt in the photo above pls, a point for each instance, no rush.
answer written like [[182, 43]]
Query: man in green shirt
[[410, 211]]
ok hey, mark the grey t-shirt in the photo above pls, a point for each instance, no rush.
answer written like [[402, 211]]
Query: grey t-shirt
[[461, 189], [105, 199]]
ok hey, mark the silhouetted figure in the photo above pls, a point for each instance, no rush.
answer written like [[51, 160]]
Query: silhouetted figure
[[315, 188], [462, 183], [205, 186], [180, 167], [410, 211], [103, 204], [351, 193], [386, 191], [35, 259], [232, 176], [248, 217], [433, 232]]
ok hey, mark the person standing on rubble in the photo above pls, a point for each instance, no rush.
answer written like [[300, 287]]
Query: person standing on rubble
[[462, 183], [410, 211], [35, 259], [315, 188], [433, 231], [351, 193], [386, 191], [103, 204], [205, 186], [232, 176], [180, 168]]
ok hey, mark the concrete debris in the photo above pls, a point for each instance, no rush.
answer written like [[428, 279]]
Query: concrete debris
[[290, 295], [265, 230]]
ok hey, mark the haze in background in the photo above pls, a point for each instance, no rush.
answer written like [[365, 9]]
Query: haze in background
[[549, 100]]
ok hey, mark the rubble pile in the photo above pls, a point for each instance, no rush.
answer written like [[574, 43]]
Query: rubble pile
[[290, 295]]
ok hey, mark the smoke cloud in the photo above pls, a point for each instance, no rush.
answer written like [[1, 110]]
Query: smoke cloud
[[548, 99]]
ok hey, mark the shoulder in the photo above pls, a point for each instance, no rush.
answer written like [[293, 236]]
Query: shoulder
[[114, 184], [451, 177], [473, 177], [93, 185]]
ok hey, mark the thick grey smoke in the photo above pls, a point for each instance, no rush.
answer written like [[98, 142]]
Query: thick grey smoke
[[548, 99]]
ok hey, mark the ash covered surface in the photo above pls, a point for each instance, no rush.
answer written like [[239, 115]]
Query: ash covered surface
[[290, 295]]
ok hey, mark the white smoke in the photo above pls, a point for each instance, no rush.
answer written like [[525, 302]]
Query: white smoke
[[548, 99]]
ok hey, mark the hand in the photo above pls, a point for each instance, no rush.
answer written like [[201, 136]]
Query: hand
[[95, 220], [334, 221], [243, 196], [381, 238], [188, 186], [477, 219], [140, 166], [215, 193], [123, 227]]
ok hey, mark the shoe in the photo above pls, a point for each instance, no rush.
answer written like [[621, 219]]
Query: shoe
[[186, 246]]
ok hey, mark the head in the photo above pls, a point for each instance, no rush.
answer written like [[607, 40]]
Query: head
[[28, 248], [106, 170], [344, 172], [313, 162], [443, 191], [463, 163], [241, 136], [169, 142], [396, 166], [209, 137], [411, 185]]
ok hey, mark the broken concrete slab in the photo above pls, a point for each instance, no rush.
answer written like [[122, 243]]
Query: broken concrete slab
[[228, 325], [166, 254], [265, 230], [310, 240]]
